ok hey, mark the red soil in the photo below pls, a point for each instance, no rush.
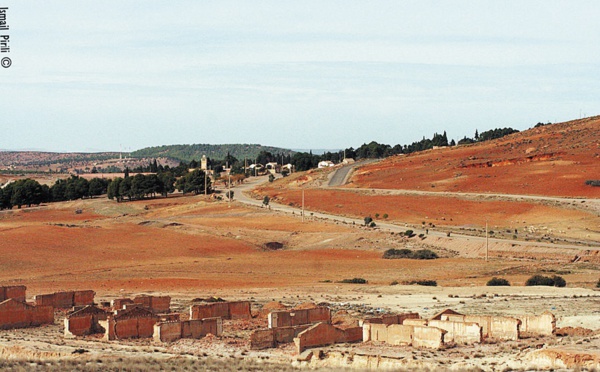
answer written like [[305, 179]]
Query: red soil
[[554, 160]]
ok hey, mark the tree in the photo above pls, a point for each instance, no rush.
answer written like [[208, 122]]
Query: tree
[[194, 182], [266, 201], [168, 182], [26, 192], [229, 194], [97, 186], [114, 189]]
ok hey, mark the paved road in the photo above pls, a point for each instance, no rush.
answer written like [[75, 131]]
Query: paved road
[[253, 182]]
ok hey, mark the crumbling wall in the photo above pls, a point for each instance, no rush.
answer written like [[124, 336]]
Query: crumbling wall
[[17, 314], [322, 334], [390, 318], [119, 303], [158, 304], [271, 337], [65, 300], [84, 322], [458, 332], [538, 325], [492, 327], [197, 328], [225, 310], [415, 322], [294, 318], [16, 292], [167, 331], [239, 310], [135, 323], [428, 337], [393, 334]]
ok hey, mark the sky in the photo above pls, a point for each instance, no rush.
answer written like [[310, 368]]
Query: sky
[[122, 74]]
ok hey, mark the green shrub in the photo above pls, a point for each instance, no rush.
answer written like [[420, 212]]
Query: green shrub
[[497, 282], [368, 220], [425, 254], [397, 253], [559, 281], [592, 182], [555, 281], [354, 281], [422, 254], [409, 233], [372, 224], [428, 283], [385, 215]]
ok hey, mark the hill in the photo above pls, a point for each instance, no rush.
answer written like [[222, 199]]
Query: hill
[[195, 151], [551, 160]]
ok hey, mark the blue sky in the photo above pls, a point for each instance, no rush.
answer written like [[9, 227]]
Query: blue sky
[[97, 75]]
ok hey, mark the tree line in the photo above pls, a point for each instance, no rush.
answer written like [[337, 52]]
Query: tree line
[[29, 192]]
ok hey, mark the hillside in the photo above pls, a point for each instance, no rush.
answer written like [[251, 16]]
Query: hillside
[[195, 151], [552, 160]]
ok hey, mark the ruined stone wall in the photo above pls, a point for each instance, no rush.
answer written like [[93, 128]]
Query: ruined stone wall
[[16, 292], [393, 334], [538, 325], [78, 326], [294, 318], [415, 322], [390, 318], [119, 303], [65, 300], [458, 332], [158, 304], [492, 327], [225, 310], [197, 328], [135, 323], [322, 334], [16, 314], [428, 337], [167, 331], [271, 337]]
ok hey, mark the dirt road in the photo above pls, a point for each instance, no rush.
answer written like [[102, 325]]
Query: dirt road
[[241, 196]]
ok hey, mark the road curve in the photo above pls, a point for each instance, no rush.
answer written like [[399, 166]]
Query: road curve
[[250, 184]]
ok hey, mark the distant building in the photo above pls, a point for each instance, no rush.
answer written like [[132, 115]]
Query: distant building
[[325, 164], [273, 167], [203, 163]]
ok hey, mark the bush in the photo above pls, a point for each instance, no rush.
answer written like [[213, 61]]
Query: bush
[[559, 281], [555, 281], [592, 182], [368, 220], [385, 215], [409, 233], [497, 282], [354, 281], [598, 284], [397, 253], [422, 254], [425, 254], [428, 283]]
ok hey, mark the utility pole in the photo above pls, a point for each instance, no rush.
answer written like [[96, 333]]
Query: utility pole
[[487, 241], [302, 205], [229, 187], [205, 182]]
